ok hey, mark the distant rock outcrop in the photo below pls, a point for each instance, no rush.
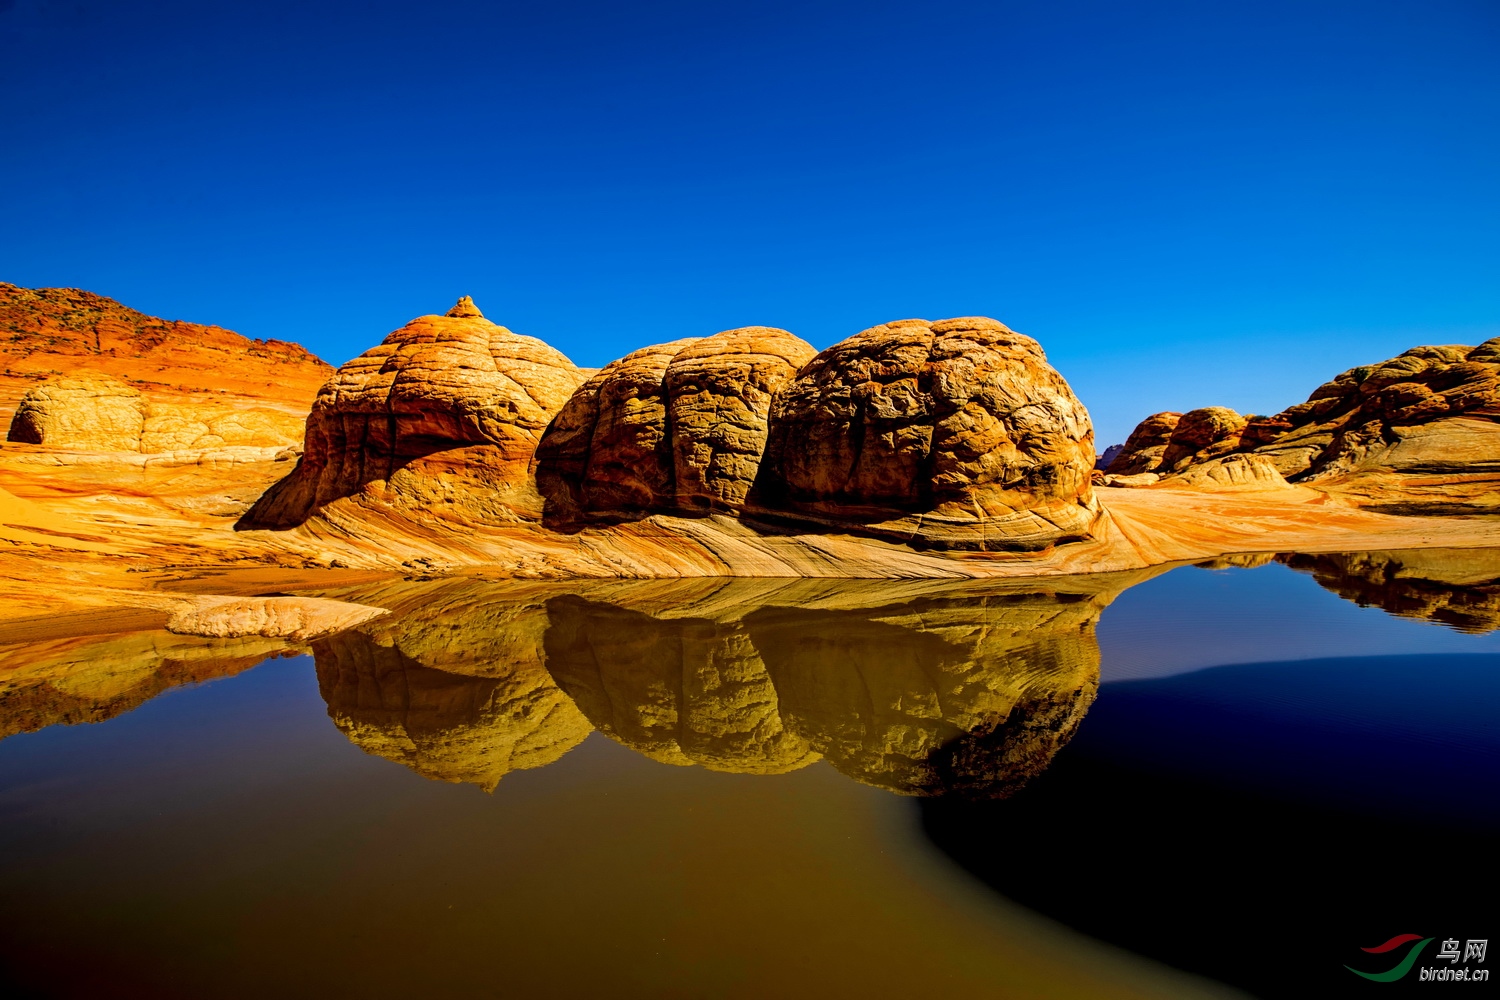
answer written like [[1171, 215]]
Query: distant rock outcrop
[[87, 411], [50, 332], [953, 434], [1167, 443], [674, 428], [472, 395], [1419, 433], [94, 412], [1145, 446]]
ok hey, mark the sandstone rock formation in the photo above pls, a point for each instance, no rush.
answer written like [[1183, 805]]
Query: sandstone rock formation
[[1419, 433], [47, 332], [1168, 443], [676, 427], [443, 416], [954, 434], [87, 411], [1459, 588], [1145, 446], [297, 618], [94, 412]]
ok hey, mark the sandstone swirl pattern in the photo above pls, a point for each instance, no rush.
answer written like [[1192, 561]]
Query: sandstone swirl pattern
[[472, 395], [677, 427], [956, 433]]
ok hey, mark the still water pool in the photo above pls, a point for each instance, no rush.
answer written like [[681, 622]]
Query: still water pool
[[1197, 782]]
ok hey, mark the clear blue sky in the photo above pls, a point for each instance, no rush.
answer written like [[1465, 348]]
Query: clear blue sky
[[1188, 204]]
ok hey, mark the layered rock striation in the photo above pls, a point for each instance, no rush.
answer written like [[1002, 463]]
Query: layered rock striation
[[955, 434], [1419, 432], [673, 428], [94, 412], [443, 416]]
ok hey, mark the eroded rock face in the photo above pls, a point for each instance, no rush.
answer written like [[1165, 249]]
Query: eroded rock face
[[94, 412], [677, 427], [86, 412], [956, 433], [446, 411], [68, 330], [1201, 435], [1145, 445], [1418, 433]]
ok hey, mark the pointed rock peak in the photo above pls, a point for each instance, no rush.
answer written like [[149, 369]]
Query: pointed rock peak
[[466, 309]]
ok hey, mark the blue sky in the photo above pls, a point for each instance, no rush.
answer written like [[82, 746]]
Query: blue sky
[[1186, 203]]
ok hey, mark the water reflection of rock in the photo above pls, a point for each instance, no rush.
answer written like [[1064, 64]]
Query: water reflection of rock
[[919, 690], [1459, 588], [970, 695], [452, 686], [919, 687], [681, 691], [91, 678]]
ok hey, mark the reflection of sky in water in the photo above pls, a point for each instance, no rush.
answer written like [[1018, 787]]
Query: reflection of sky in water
[[1192, 618]]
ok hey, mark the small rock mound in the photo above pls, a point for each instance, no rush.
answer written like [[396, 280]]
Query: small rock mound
[[86, 412], [1144, 447], [677, 427], [445, 413], [955, 434], [95, 412]]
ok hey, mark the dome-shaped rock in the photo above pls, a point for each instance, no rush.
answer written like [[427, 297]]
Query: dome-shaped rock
[[87, 411], [1144, 447], [673, 427], [1201, 435], [457, 386], [955, 433]]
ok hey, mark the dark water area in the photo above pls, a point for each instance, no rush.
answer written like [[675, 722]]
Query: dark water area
[[1200, 782]]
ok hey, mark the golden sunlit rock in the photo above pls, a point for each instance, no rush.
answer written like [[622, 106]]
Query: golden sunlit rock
[[955, 434], [675, 427], [443, 417], [1417, 434]]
